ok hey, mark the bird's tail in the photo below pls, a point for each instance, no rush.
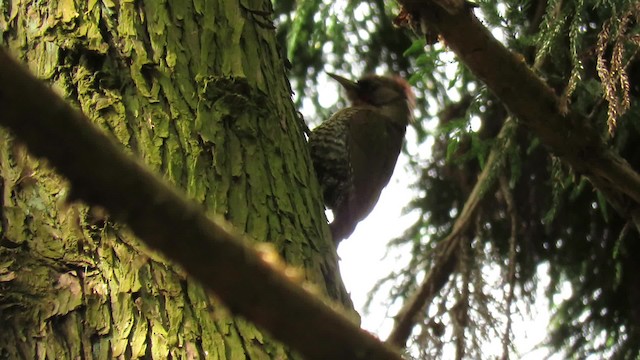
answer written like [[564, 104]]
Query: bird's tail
[[342, 228]]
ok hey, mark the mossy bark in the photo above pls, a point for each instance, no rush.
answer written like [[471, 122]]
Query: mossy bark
[[196, 89]]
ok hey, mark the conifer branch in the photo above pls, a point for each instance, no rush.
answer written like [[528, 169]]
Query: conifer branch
[[447, 250], [528, 97], [537, 107]]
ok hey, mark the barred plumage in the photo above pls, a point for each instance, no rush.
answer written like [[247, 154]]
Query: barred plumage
[[354, 152]]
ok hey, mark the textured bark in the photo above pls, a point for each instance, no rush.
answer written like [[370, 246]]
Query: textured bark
[[197, 90], [250, 279]]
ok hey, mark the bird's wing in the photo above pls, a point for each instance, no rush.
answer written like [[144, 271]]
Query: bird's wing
[[375, 143]]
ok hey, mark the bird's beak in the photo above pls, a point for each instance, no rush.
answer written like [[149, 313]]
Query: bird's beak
[[350, 86]]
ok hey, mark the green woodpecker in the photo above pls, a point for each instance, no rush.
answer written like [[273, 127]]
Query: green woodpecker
[[355, 151]]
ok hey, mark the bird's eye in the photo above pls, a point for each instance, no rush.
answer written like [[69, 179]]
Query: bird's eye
[[367, 85]]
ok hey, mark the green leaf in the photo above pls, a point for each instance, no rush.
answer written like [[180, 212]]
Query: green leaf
[[416, 48]]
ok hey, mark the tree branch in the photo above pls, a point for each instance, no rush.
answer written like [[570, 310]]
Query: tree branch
[[448, 248], [532, 101], [101, 174]]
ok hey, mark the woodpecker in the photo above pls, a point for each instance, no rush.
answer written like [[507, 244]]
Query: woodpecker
[[355, 151]]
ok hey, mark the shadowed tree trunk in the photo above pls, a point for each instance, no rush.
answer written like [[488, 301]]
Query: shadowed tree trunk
[[196, 89]]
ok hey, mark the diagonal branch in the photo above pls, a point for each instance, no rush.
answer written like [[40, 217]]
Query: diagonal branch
[[528, 97], [448, 248], [101, 174]]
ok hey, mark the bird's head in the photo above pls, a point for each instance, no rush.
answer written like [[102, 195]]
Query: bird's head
[[375, 90], [390, 95]]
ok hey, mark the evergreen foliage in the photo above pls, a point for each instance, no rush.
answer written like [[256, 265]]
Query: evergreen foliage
[[536, 210]]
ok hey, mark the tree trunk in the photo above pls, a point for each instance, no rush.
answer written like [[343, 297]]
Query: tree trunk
[[197, 89]]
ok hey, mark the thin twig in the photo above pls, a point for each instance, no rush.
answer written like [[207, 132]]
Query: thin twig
[[511, 272]]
